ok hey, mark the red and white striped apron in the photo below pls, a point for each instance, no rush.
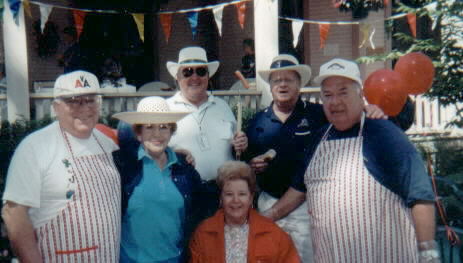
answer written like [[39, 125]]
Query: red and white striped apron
[[88, 228], [353, 217]]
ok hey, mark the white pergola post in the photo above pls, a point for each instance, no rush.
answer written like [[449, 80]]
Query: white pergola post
[[266, 41], [17, 74]]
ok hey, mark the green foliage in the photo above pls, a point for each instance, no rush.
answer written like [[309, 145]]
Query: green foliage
[[447, 156], [444, 24]]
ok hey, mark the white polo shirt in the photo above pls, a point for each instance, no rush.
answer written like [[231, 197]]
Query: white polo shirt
[[207, 133]]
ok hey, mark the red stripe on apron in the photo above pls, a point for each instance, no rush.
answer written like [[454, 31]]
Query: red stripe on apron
[[88, 228], [353, 217]]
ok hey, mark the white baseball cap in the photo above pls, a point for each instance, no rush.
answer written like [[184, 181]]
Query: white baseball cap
[[76, 83], [339, 67]]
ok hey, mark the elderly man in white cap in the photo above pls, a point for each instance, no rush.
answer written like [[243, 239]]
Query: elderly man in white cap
[[209, 132], [285, 127], [62, 195], [368, 194]]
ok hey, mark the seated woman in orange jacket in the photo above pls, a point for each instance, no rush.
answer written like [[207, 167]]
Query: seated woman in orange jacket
[[237, 233]]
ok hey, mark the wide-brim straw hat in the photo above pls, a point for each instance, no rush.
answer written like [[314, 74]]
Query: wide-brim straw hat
[[287, 62], [151, 110], [192, 57]]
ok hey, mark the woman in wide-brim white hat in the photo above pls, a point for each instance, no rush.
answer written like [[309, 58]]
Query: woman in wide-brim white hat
[[158, 187]]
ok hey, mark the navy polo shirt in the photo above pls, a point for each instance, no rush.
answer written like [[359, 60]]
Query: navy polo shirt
[[387, 154], [288, 139]]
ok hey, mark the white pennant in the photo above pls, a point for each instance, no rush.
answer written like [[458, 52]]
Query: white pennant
[[45, 11], [218, 14], [297, 27]]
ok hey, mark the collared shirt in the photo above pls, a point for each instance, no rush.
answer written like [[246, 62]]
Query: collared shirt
[[389, 157], [288, 139], [155, 212], [207, 133]]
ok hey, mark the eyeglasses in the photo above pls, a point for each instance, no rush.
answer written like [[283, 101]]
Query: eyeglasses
[[188, 72], [74, 102]]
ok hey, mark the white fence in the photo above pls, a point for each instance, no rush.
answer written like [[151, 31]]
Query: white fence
[[431, 118]]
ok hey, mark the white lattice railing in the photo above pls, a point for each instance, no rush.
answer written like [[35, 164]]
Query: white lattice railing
[[431, 118]]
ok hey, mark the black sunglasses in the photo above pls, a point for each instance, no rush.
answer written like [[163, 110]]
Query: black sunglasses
[[188, 72]]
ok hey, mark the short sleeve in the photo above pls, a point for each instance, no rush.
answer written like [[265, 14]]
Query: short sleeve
[[23, 183]]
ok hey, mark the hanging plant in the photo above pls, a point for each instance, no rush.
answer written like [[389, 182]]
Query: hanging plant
[[359, 8]]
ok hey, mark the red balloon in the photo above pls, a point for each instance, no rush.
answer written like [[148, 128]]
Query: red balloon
[[384, 88], [417, 72], [111, 133]]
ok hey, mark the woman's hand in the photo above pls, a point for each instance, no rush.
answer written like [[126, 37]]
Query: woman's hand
[[240, 142]]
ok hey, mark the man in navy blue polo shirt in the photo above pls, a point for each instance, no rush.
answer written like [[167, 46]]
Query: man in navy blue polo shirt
[[286, 126], [368, 195]]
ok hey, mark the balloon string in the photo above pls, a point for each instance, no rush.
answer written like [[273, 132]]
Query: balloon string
[[450, 233]]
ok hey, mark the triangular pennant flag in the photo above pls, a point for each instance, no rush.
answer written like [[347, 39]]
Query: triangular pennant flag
[[193, 19], [431, 9], [166, 23], [218, 14], [365, 33], [386, 2], [79, 18], [45, 11], [411, 18], [297, 27], [15, 5], [27, 7], [324, 30], [140, 21], [241, 13]]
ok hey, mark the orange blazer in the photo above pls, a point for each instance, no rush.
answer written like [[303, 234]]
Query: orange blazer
[[266, 243]]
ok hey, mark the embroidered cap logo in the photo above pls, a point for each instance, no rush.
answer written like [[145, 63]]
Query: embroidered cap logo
[[81, 83], [336, 66]]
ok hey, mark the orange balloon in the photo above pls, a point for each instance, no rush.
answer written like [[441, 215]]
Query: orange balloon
[[111, 133], [384, 88], [417, 72]]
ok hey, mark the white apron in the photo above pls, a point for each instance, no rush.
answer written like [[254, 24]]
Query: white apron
[[353, 217], [88, 228]]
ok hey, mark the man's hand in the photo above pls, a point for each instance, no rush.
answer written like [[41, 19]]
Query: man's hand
[[374, 112], [188, 156], [260, 162], [21, 232], [240, 142]]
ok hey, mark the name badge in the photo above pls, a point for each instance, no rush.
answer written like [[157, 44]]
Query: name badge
[[203, 142]]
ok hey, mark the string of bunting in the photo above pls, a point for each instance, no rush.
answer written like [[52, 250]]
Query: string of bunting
[[366, 29], [164, 16]]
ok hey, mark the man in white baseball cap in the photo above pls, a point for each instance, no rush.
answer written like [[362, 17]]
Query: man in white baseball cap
[[62, 195], [369, 196]]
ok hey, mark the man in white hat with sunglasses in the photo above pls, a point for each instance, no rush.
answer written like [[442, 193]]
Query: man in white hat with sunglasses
[[62, 195], [209, 132], [369, 197]]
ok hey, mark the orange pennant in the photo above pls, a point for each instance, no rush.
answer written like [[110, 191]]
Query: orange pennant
[[411, 18], [166, 23], [27, 7], [386, 2], [241, 13], [79, 17], [324, 30]]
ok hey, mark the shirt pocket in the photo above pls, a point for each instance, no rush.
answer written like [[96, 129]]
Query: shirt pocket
[[225, 130]]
